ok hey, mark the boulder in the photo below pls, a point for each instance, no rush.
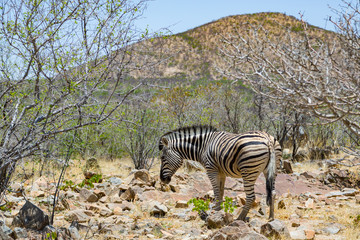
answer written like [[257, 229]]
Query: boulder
[[357, 199], [77, 215], [19, 233], [236, 230], [298, 234], [128, 195], [345, 192], [309, 203], [5, 231], [30, 216], [219, 219], [181, 204], [105, 212], [251, 236], [309, 233], [281, 204], [88, 195], [115, 181], [142, 178], [157, 209], [309, 175], [276, 229], [287, 166]]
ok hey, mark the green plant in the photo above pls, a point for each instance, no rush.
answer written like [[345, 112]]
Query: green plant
[[90, 182], [228, 205], [52, 235], [200, 205], [86, 182], [356, 220], [68, 184], [7, 206]]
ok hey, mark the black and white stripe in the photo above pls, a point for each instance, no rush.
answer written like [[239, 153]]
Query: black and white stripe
[[223, 154]]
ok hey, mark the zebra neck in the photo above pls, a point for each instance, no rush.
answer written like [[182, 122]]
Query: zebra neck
[[192, 147]]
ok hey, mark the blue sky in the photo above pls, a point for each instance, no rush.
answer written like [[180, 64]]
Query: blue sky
[[182, 15]]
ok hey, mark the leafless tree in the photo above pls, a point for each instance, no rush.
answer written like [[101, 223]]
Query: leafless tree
[[141, 124], [315, 72], [61, 67]]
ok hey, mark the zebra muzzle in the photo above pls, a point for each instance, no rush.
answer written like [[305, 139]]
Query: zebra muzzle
[[165, 180]]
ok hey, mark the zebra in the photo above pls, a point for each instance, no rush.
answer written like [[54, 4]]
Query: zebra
[[224, 154]]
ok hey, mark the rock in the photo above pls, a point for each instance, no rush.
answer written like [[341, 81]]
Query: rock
[[99, 193], [142, 178], [68, 204], [256, 224], [105, 212], [157, 209], [219, 219], [74, 233], [73, 230], [117, 211], [30, 216], [298, 234], [116, 199], [127, 206], [174, 188], [339, 178], [77, 215], [190, 216], [251, 236], [357, 199], [41, 183], [308, 175], [232, 232], [309, 203], [345, 192], [309, 233], [236, 230], [88, 195], [287, 166], [128, 195], [331, 230], [19, 233], [181, 204], [5, 231], [295, 223], [115, 181], [218, 236], [275, 228], [37, 194], [281, 204]]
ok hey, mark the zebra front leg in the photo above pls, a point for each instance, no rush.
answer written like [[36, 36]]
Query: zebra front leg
[[217, 180], [250, 197]]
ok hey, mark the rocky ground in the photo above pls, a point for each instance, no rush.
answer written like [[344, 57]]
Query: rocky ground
[[135, 205]]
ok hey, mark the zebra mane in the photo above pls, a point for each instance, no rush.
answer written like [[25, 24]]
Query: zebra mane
[[188, 131]]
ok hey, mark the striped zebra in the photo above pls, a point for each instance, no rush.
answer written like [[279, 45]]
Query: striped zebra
[[224, 154]]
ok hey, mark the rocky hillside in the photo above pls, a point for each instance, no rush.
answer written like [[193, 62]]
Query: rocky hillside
[[135, 205], [194, 54]]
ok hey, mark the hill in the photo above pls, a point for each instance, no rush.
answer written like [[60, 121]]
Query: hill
[[194, 54]]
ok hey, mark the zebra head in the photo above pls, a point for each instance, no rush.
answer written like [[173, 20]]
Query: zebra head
[[170, 160]]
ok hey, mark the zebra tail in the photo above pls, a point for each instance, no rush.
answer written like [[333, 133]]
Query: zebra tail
[[270, 178]]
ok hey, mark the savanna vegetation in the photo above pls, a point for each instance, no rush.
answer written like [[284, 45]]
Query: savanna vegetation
[[78, 80]]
